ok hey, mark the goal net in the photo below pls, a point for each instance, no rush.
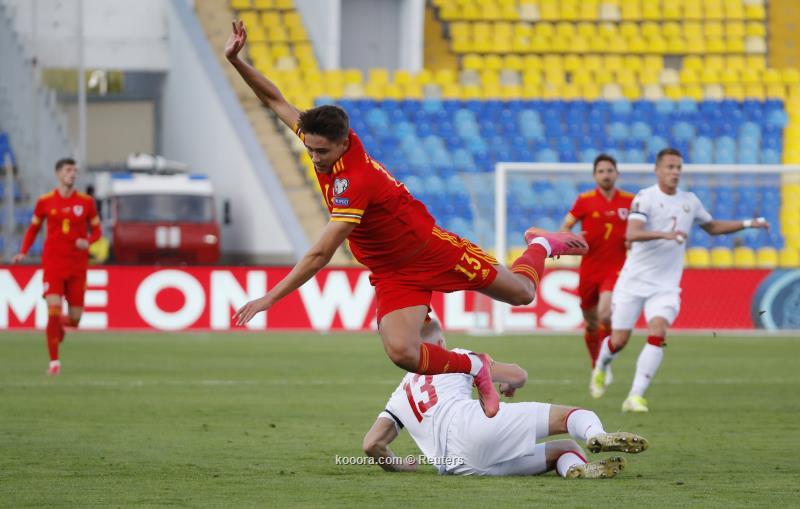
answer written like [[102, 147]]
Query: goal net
[[518, 195]]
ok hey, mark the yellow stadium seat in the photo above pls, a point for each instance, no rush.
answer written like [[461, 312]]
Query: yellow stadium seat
[[696, 92], [790, 76], [673, 92], [284, 4], [591, 92], [548, 11], [755, 91], [693, 29], [513, 62], [750, 75], [735, 62], [755, 12], [444, 77], [729, 76], [653, 63], [709, 75], [734, 10], [612, 62], [755, 62], [716, 45], [629, 29], [573, 62], [544, 29], [472, 62], [625, 77], [493, 62], [789, 258], [632, 92], [721, 258], [532, 62], [712, 10], [767, 258], [693, 62], [240, 4], [672, 29], [587, 30], [692, 11], [552, 63], [631, 11], [744, 257], [713, 29], [776, 91], [755, 29], [698, 257], [651, 11], [689, 76], [734, 29], [593, 62]]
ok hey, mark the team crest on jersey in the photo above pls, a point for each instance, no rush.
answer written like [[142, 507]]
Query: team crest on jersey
[[623, 213], [78, 210], [595, 214], [340, 186]]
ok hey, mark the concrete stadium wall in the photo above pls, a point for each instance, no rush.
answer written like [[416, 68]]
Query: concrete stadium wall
[[204, 125]]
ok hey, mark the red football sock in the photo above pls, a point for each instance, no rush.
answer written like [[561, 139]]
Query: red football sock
[[592, 340], [54, 331], [531, 263], [655, 340], [435, 360]]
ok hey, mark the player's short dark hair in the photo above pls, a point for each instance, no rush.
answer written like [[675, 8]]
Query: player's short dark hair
[[64, 161], [603, 157], [328, 121], [669, 151]]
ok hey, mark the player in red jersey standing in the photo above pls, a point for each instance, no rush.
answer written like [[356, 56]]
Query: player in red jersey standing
[[65, 256], [397, 239], [603, 214]]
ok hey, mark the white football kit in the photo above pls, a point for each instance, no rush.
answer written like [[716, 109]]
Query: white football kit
[[448, 425], [652, 272]]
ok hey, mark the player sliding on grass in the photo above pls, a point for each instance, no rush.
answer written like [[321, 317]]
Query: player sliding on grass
[[660, 217], [446, 423], [396, 238]]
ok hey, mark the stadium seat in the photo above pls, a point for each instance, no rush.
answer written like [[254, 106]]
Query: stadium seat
[[744, 257], [698, 257], [721, 258], [767, 258]]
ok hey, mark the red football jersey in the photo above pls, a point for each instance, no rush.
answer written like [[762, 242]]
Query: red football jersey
[[68, 219], [603, 223], [392, 224]]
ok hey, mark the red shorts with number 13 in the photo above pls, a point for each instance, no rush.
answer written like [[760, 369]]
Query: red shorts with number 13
[[447, 263]]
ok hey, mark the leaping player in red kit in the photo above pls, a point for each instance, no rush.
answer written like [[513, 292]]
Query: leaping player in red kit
[[397, 239], [603, 214], [65, 257]]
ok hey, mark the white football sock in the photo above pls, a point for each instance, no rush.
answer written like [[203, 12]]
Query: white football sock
[[584, 424], [567, 460], [646, 367], [477, 364], [605, 356], [55, 363], [544, 243]]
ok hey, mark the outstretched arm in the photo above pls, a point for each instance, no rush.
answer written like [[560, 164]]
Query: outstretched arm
[[266, 90], [635, 232], [312, 262], [718, 227], [376, 446]]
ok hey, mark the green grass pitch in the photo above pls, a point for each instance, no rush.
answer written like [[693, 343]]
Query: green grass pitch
[[250, 420]]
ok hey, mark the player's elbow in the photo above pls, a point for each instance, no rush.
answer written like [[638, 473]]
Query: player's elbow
[[518, 377], [371, 446]]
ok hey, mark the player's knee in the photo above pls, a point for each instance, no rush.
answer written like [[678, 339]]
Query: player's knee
[[524, 295], [403, 355]]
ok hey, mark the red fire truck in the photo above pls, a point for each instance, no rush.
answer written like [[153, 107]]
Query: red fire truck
[[156, 212]]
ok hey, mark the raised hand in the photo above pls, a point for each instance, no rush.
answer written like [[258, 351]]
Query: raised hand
[[676, 235], [236, 40], [507, 390], [18, 257]]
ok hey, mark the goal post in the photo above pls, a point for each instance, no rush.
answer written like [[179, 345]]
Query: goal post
[[728, 191]]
